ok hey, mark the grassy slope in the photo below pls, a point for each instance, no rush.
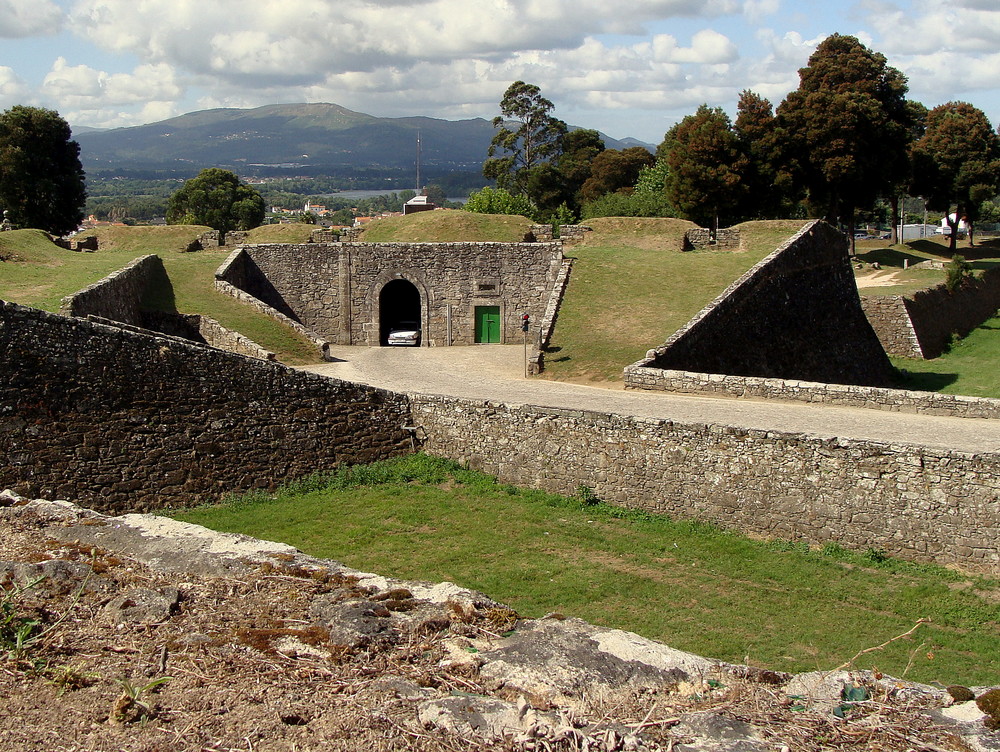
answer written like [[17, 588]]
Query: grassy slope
[[47, 273], [689, 585], [632, 286], [970, 366], [447, 226]]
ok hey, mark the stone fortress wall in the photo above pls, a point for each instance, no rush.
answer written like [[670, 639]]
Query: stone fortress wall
[[794, 315], [124, 420], [909, 501], [333, 289], [922, 324]]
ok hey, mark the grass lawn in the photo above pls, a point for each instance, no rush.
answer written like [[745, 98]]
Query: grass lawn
[[447, 226], [690, 585], [969, 367], [40, 274], [632, 287]]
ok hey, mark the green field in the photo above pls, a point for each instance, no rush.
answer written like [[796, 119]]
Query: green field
[[632, 286], [38, 273], [630, 289], [690, 585]]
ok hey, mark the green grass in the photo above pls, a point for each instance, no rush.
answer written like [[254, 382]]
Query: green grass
[[969, 367], [690, 585], [43, 274], [632, 287], [447, 226], [907, 281]]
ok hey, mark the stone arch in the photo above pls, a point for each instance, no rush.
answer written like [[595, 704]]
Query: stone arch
[[398, 281]]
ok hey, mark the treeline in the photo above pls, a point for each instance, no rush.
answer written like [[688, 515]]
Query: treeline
[[845, 143]]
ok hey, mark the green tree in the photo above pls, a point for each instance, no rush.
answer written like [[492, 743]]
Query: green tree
[[956, 163], [845, 128], [614, 171], [216, 198], [499, 201], [579, 149], [41, 178], [767, 186], [527, 135], [704, 167]]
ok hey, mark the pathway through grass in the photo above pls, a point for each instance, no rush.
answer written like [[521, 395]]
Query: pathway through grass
[[690, 585]]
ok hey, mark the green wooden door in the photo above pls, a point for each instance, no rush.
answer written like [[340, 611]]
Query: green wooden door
[[488, 324]]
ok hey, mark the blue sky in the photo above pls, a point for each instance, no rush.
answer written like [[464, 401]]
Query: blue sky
[[626, 69]]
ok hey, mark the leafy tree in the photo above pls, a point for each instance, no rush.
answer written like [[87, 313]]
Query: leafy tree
[[845, 128], [499, 201], [652, 178], [767, 185], [614, 171], [216, 198], [41, 178], [957, 163], [579, 149], [527, 135], [704, 167]]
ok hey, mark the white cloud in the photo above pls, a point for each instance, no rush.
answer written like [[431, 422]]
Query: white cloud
[[29, 18], [12, 89], [90, 96]]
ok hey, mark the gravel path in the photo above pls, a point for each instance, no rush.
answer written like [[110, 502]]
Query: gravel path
[[496, 372]]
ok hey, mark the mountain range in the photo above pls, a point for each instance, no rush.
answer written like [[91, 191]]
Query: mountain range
[[308, 138]]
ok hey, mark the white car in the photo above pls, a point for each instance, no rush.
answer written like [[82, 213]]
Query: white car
[[405, 334]]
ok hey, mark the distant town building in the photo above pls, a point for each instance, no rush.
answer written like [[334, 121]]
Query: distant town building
[[418, 204]]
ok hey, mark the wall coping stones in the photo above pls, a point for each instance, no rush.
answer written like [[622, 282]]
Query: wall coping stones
[[640, 376]]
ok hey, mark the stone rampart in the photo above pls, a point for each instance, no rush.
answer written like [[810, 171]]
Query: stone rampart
[[892, 324], [119, 295], [128, 421], [922, 324], [334, 290], [909, 501], [794, 315], [703, 239], [752, 387]]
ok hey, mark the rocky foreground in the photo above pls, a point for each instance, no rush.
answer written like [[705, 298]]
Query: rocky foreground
[[141, 633]]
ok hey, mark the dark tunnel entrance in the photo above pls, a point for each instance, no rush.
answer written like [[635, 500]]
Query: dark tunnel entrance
[[398, 306]]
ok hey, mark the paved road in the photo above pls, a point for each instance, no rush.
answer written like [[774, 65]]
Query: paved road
[[496, 372]]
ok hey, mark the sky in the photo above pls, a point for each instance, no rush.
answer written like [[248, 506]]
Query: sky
[[626, 69]]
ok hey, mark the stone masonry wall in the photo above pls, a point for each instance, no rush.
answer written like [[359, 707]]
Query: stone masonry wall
[[333, 289], [753, 387], [794, 315], [127, 421], [913, 502], [892, 324], [922, 324], [119, 295], [700, 239]]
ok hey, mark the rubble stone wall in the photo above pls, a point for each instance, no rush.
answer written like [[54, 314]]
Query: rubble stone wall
[[119, 295], [794, 315], [922, 324], [909, 501], [333, 289], [128, 421], [700, 239], [876, 398]]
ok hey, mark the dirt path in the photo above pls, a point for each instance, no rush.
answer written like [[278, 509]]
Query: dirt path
[[880, 278], [496, 372]]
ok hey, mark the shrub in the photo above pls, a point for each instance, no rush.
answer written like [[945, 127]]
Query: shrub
[[499, 201], [956, 272]]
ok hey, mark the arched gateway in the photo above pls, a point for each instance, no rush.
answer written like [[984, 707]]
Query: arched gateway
[[398, 306]]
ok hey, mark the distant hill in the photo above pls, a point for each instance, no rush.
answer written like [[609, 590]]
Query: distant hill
[[293, 137]]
